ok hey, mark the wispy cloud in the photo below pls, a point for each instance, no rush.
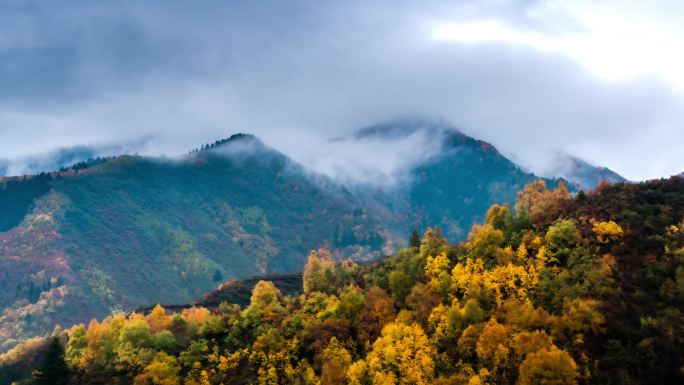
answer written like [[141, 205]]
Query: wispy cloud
[[299, 73]]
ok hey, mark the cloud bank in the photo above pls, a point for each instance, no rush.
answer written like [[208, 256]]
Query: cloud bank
[[169, 76]]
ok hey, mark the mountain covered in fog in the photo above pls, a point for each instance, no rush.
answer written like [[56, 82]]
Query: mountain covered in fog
[[585, 175], [456, 182], [135, 230], [128, 231], [58, 159]]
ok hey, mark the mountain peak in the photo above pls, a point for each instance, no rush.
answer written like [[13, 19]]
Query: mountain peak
[[400, 128], [584, 174], [233, 139]]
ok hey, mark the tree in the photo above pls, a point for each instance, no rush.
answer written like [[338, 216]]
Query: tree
[[414, 241], [421, 301], [492, 346], [562, 237], [538, 203], [266, 303], [318, 272], [163, 370], [336, 361], [548, 367], [218, 276], [53, 369], [377, 312], [433, 242], [499, 216], [400, 285], [485, 242], [351, 303], [157, 319], [607, 232], [402, 354]]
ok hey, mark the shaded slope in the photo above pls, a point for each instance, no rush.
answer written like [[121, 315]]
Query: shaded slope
[[455, 181], [455, 190], [585, 175]]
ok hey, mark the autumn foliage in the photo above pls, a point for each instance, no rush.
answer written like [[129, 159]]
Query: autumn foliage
[[541, 294]]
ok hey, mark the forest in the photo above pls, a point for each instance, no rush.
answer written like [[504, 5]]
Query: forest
[[559, 288]]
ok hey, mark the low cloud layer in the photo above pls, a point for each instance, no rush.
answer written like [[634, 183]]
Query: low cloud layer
[[173, 75]]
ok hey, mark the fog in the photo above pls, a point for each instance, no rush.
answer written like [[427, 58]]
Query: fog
[[163, 78]]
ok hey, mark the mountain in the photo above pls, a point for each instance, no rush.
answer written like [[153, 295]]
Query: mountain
[[584, 174], [455, 183], [59, 158], [129, 231], [588, 292]]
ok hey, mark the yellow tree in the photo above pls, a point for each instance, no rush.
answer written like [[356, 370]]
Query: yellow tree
[[157, 319], [336, 361], [548, 367], [266, 303], [492, 346], [607, 232], [402, 355]]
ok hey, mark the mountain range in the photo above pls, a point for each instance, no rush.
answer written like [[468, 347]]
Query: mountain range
[[127, 231]]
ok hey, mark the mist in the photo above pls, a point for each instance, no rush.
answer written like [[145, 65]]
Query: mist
[[174, 76]]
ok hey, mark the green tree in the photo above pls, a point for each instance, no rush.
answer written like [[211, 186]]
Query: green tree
[[318, 272], [414, 241], [562, 238], [485, 242], [163, 370], [53, 369]]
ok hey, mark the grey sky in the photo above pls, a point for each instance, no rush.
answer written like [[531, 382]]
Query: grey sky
[[599, 80]]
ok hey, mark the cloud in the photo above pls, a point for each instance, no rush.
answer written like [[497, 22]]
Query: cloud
[[299, 73]]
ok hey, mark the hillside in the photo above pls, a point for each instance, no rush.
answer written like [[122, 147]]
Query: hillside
[[130, 231], [455, 182], [557, 290], [585, 175]]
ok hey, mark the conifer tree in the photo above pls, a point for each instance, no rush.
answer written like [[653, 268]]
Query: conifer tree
[[53, 370]]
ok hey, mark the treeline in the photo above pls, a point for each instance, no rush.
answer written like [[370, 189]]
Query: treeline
[[219, 143], [17, 195], [555, 290]]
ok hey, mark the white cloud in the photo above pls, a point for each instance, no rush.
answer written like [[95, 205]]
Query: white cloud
[[533, 78], [615, 41]]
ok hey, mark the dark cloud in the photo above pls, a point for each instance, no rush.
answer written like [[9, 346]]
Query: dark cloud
[[299, 73]]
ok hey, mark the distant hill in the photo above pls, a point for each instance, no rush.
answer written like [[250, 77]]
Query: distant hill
[[454, 186], [584, 174], [58, 159], [132, 230]]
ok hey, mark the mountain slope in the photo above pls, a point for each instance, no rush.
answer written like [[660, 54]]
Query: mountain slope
[[585, 175], [589, 292], [455, 182], [133, 231]]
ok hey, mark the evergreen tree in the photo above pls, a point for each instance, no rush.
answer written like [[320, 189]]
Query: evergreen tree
[[414, 241], [53, 370], [218, 276]]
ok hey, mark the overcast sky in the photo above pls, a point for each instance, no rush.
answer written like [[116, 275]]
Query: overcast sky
[[599, 80]]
